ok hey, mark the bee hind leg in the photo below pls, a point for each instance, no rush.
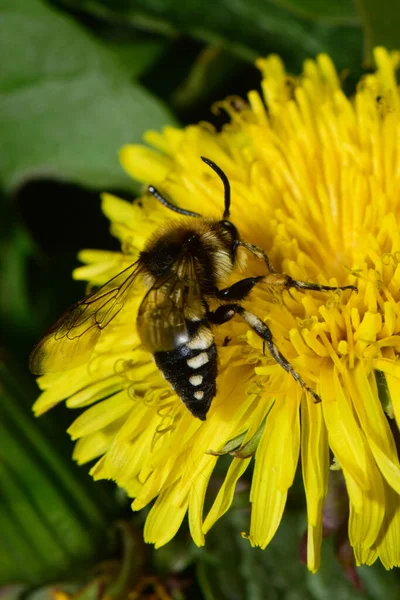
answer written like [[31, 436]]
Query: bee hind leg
[[225, 313]]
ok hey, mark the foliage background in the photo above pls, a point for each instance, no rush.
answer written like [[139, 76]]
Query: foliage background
[[78, 79]]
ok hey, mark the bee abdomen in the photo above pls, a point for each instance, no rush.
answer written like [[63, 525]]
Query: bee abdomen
[[191, 369]]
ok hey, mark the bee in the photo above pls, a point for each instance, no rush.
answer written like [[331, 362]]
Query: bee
[[182, 268]]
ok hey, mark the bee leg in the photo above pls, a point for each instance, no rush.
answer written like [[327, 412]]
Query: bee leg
[[286, 282], [239, 290], [225, 313], [258, 253], [305, 285]]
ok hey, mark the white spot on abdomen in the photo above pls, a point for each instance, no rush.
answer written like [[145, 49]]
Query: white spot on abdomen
[[198, 361], [198, 395], [196, 379]]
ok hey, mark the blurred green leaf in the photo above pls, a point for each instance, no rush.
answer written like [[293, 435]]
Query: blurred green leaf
[[15, 249], [339, 12], [51, 521], [67, 103], [233, 570], [138, 55], [230, 568], [381, 25], [247, 28], [212, 67], [176, 556], [12, 592]]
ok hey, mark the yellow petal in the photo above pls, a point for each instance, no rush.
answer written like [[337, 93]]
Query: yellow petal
[[392, 376], [164, 519], [58, 386], [386, 73], [315, 467], [345, 437], [375, 425], [275, 465], [96, 444], [388, 544], [197, 496], [143, 164], [314, 539], [100, 415], [95, 391], [366, 519], [226, 492]]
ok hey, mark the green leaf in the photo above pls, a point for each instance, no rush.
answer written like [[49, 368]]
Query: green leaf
[[67, 103], [15, 249], [138, 55], [341, 12], [247, 28], [212, 68], [381, 25]]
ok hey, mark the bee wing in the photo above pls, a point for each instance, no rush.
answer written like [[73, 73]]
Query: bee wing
[[163, 314], [70, 341]]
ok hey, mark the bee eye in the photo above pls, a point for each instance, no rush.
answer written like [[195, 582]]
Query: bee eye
[[229, 227]]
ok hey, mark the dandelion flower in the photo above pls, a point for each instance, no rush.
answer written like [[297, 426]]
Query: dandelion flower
[[315, 180]]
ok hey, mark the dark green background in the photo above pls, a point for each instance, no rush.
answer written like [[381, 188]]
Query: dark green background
[[77, 80]]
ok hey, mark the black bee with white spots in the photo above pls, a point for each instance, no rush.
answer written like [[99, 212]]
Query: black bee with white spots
[[183, 267]]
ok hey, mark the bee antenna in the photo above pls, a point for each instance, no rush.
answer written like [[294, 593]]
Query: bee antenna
[[188, 213], [225, 181]]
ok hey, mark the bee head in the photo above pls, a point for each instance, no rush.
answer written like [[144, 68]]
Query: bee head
[[228, 232], [225, 229]]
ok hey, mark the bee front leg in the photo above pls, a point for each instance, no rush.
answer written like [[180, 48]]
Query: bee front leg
[[225, 313], [305, 285], [286, 282], [258, 253]]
